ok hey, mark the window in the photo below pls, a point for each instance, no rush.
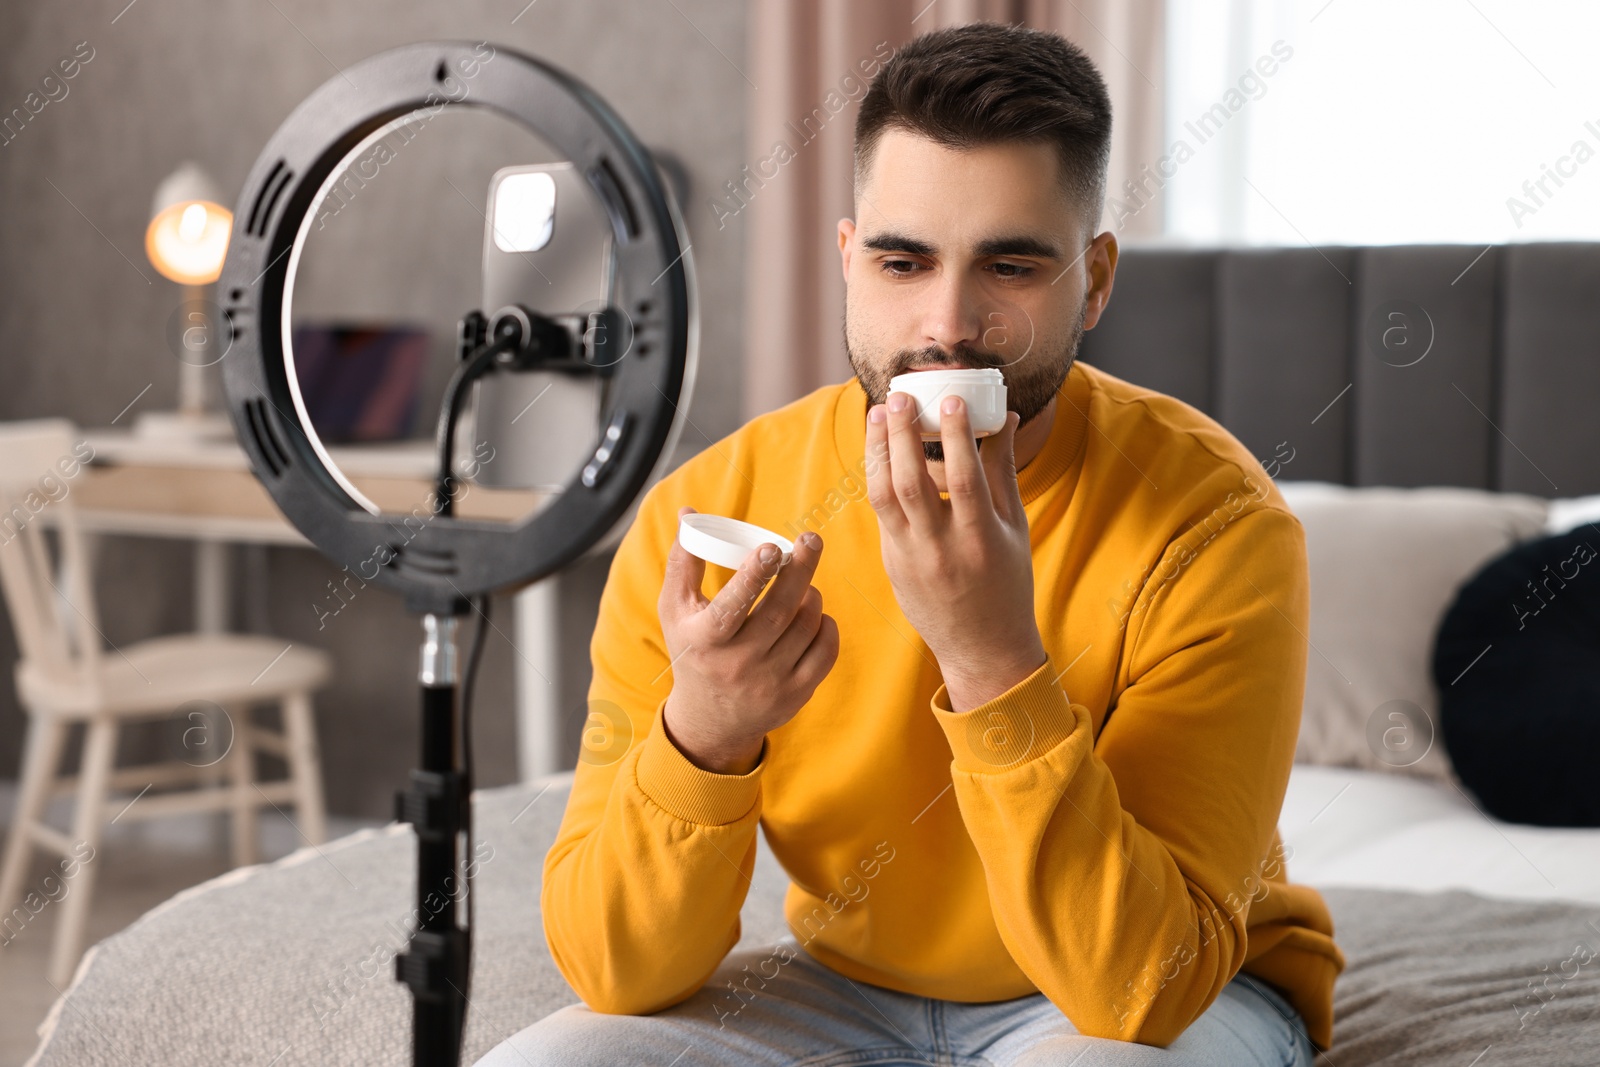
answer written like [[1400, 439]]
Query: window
[[1356, 122]]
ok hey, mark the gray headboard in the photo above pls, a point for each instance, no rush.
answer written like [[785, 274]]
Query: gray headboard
[[1506, 397]]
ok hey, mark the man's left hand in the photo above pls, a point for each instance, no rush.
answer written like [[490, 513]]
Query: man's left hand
[[962, 569]]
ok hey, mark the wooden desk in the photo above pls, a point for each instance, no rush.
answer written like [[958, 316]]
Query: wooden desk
[[206, 492]]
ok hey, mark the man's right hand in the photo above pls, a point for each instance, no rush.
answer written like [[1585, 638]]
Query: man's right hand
[[738, 673]]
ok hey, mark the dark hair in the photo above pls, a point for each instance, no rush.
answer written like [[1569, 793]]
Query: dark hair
[[987, 83]]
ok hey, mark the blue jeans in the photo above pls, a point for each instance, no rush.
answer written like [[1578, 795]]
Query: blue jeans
[[812, 1016]]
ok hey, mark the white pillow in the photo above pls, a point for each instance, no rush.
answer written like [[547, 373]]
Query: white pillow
[[1572, 512], [1385, 566]]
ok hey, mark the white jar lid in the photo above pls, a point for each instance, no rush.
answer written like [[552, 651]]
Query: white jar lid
[[726, 542], [935, 377]]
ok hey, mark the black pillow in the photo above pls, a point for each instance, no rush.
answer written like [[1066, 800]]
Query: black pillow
[[1517, 663]]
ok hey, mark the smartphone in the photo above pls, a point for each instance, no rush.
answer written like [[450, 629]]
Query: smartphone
[[548, 245]]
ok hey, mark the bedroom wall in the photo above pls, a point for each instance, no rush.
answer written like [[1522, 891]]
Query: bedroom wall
[[82, 313]]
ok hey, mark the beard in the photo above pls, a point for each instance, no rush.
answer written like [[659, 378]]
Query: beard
[[1031, 380]]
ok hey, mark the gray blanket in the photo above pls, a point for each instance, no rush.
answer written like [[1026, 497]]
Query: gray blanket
[[1447, 978], [291, 963]]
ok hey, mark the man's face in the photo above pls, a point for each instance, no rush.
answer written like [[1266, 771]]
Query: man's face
[[969, 258]]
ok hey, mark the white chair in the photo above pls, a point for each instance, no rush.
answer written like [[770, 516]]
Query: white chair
[[65, 677]]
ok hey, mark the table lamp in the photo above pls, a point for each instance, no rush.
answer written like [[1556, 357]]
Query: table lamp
[[187, 241]]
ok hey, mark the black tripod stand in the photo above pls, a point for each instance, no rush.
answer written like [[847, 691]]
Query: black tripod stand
[[437, 966]]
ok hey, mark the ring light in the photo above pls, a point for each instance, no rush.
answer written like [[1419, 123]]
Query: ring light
[[449, 558], [447, 565]]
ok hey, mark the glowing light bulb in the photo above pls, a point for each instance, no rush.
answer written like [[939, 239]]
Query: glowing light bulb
[[187, 238], [188, 241], [192, 226]]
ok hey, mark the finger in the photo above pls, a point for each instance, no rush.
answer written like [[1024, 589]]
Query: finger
[[880, 487], [777, 609], [965, 477], [908, 466], [801, 630], [680, 586], [1000, 467], [731, 606], [819, 656]]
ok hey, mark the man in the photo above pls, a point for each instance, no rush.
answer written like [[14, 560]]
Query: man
[[1025, 774]]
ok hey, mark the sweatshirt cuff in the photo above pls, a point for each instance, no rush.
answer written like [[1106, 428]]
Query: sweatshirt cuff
[[692, 793], [1019, 725]]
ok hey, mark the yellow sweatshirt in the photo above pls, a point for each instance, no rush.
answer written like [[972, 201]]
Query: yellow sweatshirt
[[1104, 832]]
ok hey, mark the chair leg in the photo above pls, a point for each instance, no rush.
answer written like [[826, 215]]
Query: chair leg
[[246, 801], [40, 762], [305, 767], [88, 826]]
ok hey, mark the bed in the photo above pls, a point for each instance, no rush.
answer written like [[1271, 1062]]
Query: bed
[[1468, 940]]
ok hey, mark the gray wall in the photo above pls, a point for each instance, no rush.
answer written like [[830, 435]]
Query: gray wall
[[82, 313]]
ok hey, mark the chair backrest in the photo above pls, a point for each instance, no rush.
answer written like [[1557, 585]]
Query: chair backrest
[[52, 608]]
